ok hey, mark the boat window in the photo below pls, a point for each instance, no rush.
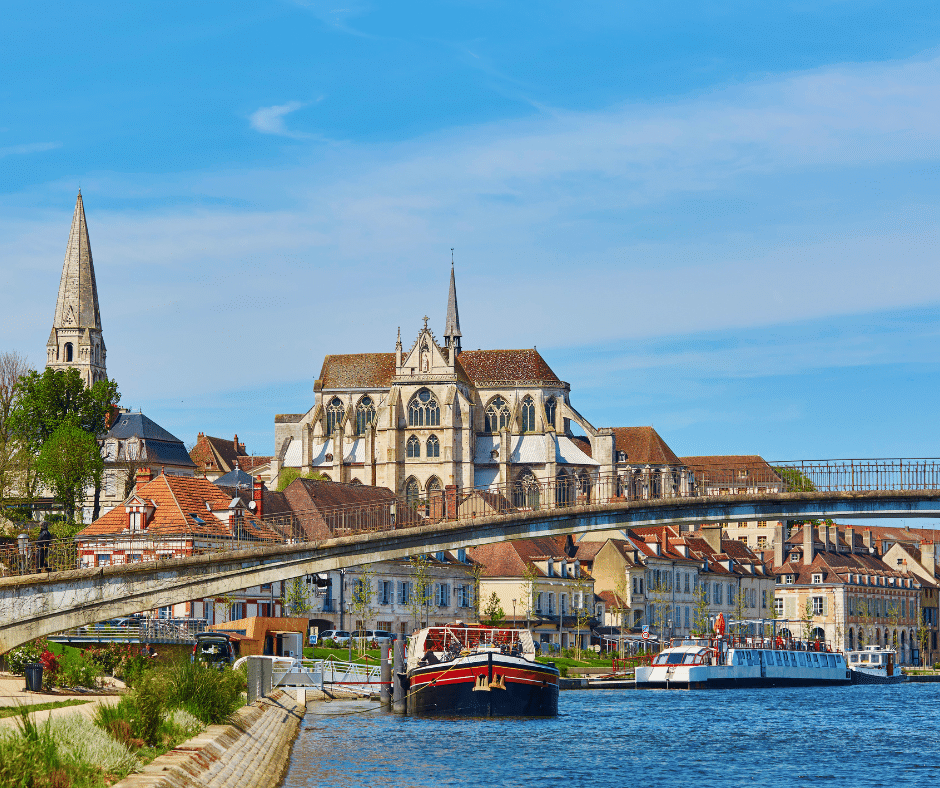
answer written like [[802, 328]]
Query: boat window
[[875, 659], [802, 658], [831, 660], [786, 657], [676, 658], [691, 659], [661, 659], [854, 657], [815, 660], [779, 657], [864, 657]]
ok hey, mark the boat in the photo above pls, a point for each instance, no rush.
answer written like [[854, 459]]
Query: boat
[[695, 663], [874, 665], [469, 670]]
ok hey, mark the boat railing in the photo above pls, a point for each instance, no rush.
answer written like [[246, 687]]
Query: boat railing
[[778, 643]]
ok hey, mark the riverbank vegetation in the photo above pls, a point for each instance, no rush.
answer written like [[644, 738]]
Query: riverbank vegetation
[[168, 704]]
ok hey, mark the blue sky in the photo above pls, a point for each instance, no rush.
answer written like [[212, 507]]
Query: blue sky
[[719, 218]]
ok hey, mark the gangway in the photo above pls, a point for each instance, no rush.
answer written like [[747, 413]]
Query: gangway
[[323, 674]]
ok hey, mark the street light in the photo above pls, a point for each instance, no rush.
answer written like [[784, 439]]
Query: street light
[[514, 612]]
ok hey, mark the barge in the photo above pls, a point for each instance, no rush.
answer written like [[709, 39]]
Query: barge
[[477, 671]]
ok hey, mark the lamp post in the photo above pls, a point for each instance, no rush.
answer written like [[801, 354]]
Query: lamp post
[[514, 612], [22, 543]]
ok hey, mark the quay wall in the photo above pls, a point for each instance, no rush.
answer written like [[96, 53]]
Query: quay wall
[[253, 751]]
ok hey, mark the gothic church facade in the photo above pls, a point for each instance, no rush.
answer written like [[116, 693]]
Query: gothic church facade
[[433, 415]]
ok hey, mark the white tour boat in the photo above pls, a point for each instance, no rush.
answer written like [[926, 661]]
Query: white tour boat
[[874, 665]]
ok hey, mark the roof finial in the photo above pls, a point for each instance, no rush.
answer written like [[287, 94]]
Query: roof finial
[[425, 318], [451, 252]]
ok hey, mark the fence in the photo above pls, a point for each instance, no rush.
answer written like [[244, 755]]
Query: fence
[[526, 494]]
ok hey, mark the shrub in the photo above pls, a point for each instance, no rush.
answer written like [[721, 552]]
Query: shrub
[[29, 757], [50, 668], [108, 657], [209, 694], [79, 739], [150, 700], [25, 655], [77, 670]]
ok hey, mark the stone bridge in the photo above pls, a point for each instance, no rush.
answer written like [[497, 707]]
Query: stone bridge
[[35, 605]]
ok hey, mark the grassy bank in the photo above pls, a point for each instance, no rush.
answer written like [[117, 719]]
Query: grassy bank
[[168, 704], [12, 711]]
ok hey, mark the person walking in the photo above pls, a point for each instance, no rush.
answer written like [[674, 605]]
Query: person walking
[[44, 540]]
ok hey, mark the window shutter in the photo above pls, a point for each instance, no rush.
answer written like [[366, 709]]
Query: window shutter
[[789, 607], [825, 610]]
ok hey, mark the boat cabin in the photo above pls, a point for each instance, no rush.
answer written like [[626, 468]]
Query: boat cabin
[[442, 644]]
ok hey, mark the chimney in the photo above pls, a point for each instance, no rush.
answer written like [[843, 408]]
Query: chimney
[[834, 537], [850, 538], [866, 539], [779, 544], [928, 557], [200, 436], [235, 441], [258, 496], [712, 535], [143, 476], [824, 537], [808, 543]]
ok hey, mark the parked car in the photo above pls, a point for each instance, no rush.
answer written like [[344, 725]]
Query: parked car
[[214, 648], [340, 636], [381, 634]]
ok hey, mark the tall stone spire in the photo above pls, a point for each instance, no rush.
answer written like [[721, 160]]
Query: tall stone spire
[[76, 339], [452, 324]]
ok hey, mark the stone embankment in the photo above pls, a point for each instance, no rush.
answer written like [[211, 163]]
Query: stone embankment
[[254, 751]]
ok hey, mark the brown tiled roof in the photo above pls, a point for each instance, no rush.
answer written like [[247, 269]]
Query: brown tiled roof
[[521, 366], [177, 499], [643, 445], [216, 454], [358, 370], [582, 443], [725, 469], [509, 559], [315, 506], [248, 463]]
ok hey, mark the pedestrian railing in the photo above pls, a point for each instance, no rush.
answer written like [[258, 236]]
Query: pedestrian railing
[[567, 491]]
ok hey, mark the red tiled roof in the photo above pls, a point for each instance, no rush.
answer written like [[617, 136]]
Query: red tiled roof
[[643, 445], [216, 454], [727, 468], [520, 366], [177, 499], [509, 559], [358, 370]]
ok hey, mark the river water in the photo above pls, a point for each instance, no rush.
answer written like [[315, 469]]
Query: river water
[[831, 736]]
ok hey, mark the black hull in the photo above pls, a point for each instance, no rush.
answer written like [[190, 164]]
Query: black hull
[[484, 687], [858, 677]]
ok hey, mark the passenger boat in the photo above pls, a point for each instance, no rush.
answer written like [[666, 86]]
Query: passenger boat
[[714, 662], [874, 665], [478, 671]]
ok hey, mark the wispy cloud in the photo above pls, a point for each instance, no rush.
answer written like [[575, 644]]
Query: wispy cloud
[[270, 120], [31, 147]]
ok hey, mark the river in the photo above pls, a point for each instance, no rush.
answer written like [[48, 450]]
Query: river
[[831, 736]]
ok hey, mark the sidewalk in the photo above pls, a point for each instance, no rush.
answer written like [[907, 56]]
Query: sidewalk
[[13, 692]]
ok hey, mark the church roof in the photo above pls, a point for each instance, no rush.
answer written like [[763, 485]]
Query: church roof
[[357, 370], [518, 366], [643, 445], [137, 425], [77, 304]]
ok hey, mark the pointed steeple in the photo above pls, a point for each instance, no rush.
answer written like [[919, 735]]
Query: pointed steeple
[[452, 333], [76, 340]]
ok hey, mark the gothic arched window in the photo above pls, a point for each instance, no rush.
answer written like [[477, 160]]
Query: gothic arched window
[[433, 447], [434, 487], [334, 415], [413, 447], [526, 491], [412, 492], [68, 351], [564, 489], [365, 415], [496, 415], [528, 415], [550, 410], [423, 410]]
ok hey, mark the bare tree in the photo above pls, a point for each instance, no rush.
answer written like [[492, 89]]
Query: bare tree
[[17, 472], [529, 577], [420, 595]]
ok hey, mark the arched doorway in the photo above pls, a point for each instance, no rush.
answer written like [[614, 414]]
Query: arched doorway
[[851, 639], [818, 635]]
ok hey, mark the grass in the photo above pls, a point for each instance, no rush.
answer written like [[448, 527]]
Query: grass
[[371, 656], [12, 711]]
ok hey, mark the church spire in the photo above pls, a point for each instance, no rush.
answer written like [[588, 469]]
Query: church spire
[[452, 324], [76, 340]]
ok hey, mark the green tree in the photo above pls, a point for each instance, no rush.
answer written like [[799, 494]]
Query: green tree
[[584, 611], [493, 613], [296, 597], [69, 461], [288, 475], [360, 603], [795, 479], [419, 568], [701, 612], [475, 574], [740, 608], [59, 396], [807, 619], [661, 601], [530, 576]]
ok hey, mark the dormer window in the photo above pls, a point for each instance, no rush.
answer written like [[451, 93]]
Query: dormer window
[[551, 569], [621, 456], [742, 473], [788, 580], [817, 578]]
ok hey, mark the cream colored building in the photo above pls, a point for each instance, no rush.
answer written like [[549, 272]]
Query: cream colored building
[[433, 415]]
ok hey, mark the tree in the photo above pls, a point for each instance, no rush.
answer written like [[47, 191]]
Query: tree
[[14, 459], [662, 608], [476, 577], [288, 475], [701, 612], [493, 613], [360, 602], [893, 613], [420, 596], [56, 397], [740, 607], [529, 578], [68, 462], [621, 608], [795, 479], [584, 611], [807, 619], [297, 597]]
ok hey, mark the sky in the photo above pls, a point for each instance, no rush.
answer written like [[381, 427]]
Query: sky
[[719, 218]]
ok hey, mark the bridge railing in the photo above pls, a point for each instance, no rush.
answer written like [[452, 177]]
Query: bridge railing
[[526, 493]]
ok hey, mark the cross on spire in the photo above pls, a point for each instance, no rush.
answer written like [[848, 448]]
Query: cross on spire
[[425, 318]]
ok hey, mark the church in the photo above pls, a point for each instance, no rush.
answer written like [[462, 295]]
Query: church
[[421, 419]]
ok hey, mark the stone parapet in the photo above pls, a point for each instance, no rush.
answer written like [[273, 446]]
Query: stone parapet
[[253, 751]]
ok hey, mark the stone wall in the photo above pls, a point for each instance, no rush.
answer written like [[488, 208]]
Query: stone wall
[[254, 751]]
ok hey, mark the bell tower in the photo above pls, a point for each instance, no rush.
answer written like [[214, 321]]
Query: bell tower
[[76, 339]]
